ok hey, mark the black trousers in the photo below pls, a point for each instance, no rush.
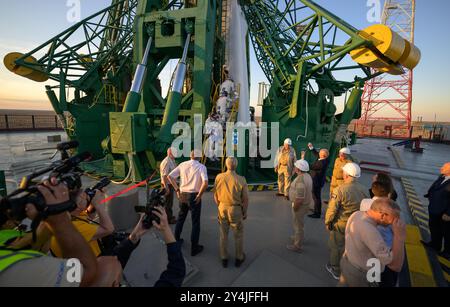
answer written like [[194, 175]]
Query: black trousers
[[439, 230], [389, 278], [187, 204], [317, 193]]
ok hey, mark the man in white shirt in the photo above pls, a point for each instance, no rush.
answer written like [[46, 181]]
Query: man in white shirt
[[363, 242], [193, 183], [166, 167]]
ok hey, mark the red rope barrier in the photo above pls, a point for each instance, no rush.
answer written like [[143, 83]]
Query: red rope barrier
[[142, 183]]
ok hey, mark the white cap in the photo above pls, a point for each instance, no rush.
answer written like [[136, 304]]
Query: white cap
[[288, 142], [352, 169], [302, 165], [345, 150]]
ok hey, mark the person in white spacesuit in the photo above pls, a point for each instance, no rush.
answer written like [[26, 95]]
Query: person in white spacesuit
[[222, 108], [213, 129], [228, 86]]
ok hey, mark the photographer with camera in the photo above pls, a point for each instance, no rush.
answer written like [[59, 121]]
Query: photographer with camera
[[176, 269], [81, 219], [30, 268]]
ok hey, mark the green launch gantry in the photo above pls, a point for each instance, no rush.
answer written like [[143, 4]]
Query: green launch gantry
[[126, 122]]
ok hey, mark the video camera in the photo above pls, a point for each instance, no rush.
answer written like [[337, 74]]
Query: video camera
[[64, 170], [91, 192], [155, 198]]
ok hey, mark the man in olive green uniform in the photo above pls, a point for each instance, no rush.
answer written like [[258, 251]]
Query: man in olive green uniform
[[284, 167], [338, 176], [231, 197], [300, 194], [345, 201]]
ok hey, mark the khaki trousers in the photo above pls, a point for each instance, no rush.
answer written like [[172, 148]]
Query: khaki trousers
[[298, 221], [352, 276], [336, 243], [231, 216], [169, 203], [284, 180]]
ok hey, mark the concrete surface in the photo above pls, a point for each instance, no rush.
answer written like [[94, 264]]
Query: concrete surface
[[267, 230]]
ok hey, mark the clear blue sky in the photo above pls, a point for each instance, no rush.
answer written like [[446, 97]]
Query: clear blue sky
[[26, 24]]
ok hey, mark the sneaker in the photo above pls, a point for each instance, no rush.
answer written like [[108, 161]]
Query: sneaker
[[225, 263], [239, 262], [314, 216], [332, 271], [279, 194], [294, 248], [197, 250]]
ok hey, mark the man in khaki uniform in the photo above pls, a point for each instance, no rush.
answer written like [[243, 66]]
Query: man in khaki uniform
[[286, 158], [166, 167], [345, 200], [300, 194], [338, 176], [231, 197]]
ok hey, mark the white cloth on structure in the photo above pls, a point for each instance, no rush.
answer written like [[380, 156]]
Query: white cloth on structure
[[192, 174], [237, 58]]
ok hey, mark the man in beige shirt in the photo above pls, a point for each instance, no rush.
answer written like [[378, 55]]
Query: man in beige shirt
[[300, 194], [166, 167], [345, 201], [363, 242], [284, 167], [337, 178], [231, 197]]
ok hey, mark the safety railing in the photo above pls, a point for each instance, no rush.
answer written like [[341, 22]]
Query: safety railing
[[13, 122]]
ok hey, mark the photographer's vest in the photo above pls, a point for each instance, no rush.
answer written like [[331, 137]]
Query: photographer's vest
[[10, 257]]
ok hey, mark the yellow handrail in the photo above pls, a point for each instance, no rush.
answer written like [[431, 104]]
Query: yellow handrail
[[110, 94]]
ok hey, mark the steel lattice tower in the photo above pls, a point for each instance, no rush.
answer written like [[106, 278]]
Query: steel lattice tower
[[388, 98]]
